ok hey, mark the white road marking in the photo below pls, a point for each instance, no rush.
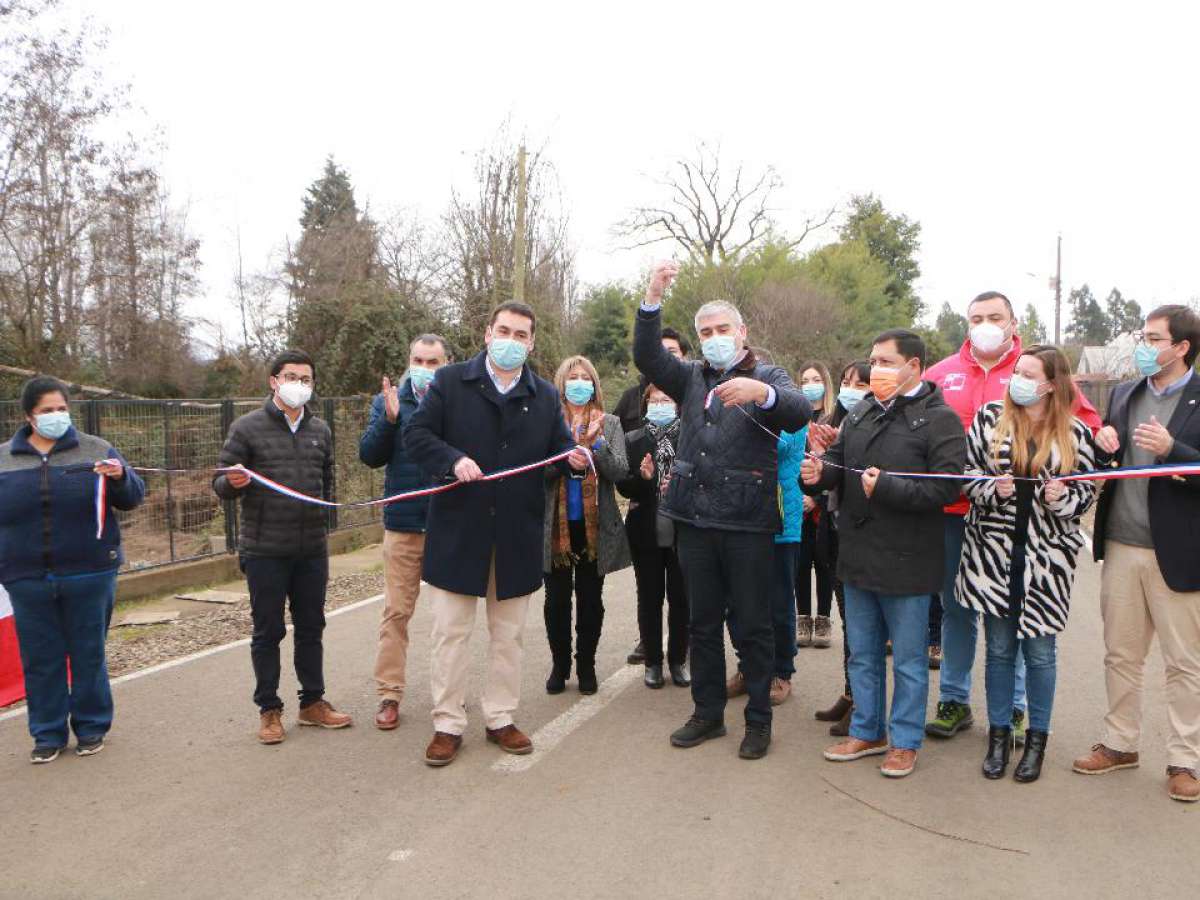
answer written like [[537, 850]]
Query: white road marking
[[550, 735], [400, 855], [210, 651]]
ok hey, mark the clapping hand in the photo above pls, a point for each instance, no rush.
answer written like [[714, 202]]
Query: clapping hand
[[391, 400], [646, 469], [1107, 440], [1153, 437], [820, 437]]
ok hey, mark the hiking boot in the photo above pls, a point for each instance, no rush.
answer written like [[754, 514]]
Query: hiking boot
[[898, 762], [322, 715], [781, 689], [1103, 760], [855, 748], [840, 707], [822, 632], [89, 746], [442, 749], [270, 726], [1019, 725], [1182, 784], [388, 716], [757, 740], [952, 717], [42, 755], [638, 655], [736, 686], [697, 731], [511, 740], [935, 656], [804, 631]]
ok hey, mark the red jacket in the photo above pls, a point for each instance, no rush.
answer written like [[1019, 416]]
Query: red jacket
[[967, 387]]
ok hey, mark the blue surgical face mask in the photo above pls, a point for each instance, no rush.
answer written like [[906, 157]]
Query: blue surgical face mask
[[850, 396], [1024, 391], [420, 377], [661, 414], [52, 425], [507, 354], [719, 351], [579, 391], [814, 392], [1145, 357]]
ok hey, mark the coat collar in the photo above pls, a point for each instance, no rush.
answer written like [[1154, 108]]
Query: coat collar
[[278, 416], [476, 370], [21, 444], [743, 366]]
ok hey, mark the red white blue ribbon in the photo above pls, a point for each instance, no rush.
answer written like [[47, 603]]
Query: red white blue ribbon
[[101, 504]]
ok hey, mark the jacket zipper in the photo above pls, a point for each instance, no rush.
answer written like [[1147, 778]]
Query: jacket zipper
[[46, 527]]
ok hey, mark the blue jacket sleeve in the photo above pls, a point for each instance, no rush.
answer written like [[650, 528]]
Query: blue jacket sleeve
[[378, 441], [129, 492]]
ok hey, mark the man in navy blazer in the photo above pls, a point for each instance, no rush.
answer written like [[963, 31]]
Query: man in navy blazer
[[484, 539], [1146, 531]]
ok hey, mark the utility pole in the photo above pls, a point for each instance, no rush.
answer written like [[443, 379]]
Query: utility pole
[[519, 237], [1058, 295]]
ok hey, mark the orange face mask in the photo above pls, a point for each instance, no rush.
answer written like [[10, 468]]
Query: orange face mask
[[886, 383]]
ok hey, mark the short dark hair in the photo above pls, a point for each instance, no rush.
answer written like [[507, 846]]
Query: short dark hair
[[430, 338], [295, 358], [38, 387], [1184, 325], [861, 368], [992, 295], [908, 343], [671, 334], [518, 309]]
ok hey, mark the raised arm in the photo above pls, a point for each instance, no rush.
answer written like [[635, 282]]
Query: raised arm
[[649, 355], [379, 438]]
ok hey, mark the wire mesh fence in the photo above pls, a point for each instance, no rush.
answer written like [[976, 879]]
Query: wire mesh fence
[[181, 518]]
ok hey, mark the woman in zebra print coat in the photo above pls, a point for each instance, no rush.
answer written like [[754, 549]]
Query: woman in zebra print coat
[[1022, 541]]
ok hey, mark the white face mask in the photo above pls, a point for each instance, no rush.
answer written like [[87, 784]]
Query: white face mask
[[988, 338], [294, 394]]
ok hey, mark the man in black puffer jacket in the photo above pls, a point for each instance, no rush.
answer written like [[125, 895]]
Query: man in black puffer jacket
[[282, 546], [723, 497], [891, 550]]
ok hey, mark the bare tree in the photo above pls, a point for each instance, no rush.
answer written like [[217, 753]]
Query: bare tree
[[712, 212]]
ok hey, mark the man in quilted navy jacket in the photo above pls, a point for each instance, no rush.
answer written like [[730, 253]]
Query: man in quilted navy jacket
[[382, 444], [722, 496]]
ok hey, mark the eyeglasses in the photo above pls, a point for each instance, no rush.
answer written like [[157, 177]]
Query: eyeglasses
[[292, 378], [1140, 337]]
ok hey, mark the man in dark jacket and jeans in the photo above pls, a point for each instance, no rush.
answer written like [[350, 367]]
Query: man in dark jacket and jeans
[[282, 545], [723, 497], [892, 548], [382, 444]]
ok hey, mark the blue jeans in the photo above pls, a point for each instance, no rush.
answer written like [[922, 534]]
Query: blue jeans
[[960, 630], [59, 619], [783, 612], [1000, 635], [871, 619]]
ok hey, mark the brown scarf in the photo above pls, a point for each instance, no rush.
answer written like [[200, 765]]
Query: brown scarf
[[560, 538]]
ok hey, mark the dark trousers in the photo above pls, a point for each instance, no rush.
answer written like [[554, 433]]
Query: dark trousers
[[783, 614], [815, 554], [657, 573], [588, 588], [935, 620], [277, 583], [56, 620], [729, 571], [839, 591]]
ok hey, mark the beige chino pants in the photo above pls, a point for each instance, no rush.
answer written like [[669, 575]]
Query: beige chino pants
[[403, 552], [1136, 604], [450, 659]]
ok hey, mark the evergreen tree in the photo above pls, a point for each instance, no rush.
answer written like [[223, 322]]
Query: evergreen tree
[[952, 327], [606, 316], [1123, 315], [1032, 329], [894, 240], [1089, 325]]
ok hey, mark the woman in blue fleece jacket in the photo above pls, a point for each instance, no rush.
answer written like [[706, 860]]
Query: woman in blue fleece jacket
[[61, 577]]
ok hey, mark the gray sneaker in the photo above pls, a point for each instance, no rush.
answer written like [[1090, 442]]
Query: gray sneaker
[[822, 631]]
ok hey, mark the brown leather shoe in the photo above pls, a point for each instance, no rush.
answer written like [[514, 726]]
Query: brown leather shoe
[[899, 762], [1182, 784], [322, 715], [736, 686], [854, 748], [781, 689], [511, 740], [388, 716], [442, 749], [270, 726], [1103, 760]]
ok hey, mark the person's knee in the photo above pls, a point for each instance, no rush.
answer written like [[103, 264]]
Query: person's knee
[[1040, 653]]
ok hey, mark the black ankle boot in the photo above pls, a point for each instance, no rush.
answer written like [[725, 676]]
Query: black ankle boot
[[557, 682], [1030, 767], [586, 675], [995, 764], [654, 677]]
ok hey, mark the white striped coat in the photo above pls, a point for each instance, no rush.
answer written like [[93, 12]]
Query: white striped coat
[[1053, 539]]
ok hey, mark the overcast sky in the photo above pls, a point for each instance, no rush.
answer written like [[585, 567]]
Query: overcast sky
[[996, 128]]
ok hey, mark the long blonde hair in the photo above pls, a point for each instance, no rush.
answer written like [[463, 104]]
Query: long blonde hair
[[560, 381], [1056, 427]]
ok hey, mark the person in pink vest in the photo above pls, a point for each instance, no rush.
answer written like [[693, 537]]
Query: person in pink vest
[[977, 374]]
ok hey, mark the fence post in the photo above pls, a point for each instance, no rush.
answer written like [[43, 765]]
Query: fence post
[[231, 509], [329, 410], [166, 411], [92, 414]]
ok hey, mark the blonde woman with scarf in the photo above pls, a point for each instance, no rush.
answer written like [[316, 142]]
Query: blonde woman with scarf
[[584, 535]]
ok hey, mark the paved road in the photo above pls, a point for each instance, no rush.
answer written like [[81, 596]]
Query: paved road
[[184, 803]]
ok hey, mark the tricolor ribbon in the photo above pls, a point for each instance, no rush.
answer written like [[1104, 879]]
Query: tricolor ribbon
[[101, 504]]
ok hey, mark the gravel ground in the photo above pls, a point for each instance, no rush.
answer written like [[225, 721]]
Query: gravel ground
[[130, 649]]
